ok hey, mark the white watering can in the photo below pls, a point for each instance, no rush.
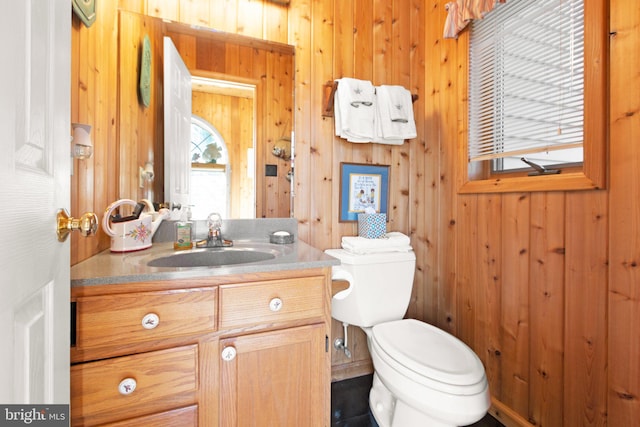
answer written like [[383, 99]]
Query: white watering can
[[134, 234]]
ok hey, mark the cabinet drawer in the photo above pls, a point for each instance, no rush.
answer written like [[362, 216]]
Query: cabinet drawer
[[272, 301], [131, 386], [108, 320], [182, 417]]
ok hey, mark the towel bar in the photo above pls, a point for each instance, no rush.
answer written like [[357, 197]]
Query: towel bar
[[329, 92]]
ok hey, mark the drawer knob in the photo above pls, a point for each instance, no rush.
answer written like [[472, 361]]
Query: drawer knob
[[150, 321], [229, 353], [275, 304], [127, 386]]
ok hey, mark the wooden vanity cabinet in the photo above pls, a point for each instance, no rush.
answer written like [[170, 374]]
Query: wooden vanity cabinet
[[245, 350]]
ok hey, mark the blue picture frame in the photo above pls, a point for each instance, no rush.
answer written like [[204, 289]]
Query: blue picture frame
[[362, 186]]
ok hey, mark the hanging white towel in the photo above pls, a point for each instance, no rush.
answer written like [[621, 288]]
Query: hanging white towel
[[393, 241], [394, 115], [354, 110]]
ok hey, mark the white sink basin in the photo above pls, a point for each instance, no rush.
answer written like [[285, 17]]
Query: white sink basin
[[214, 257], [240, 253]]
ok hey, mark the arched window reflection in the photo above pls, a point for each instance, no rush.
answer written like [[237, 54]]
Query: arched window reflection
[[209, 170]]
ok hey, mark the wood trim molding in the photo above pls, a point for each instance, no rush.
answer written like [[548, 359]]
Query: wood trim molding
[[507, 416], [351, 370]]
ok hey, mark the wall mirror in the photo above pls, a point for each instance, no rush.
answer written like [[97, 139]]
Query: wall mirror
[[240, 120]]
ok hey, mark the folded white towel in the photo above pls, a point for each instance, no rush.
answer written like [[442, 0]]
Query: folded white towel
[[394, 115], [379, 138], [354, 110], [393, 241]]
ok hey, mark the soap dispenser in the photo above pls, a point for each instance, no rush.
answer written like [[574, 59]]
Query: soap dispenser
[[183, 235]]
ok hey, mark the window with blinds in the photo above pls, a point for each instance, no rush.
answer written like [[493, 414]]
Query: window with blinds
[[526, 85]]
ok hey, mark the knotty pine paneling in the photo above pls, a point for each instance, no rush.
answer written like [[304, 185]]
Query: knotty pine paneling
[[426, 173], [323, 206], [623, 352], [140, 128], [547, 301], [586, 255], [515, 321], [371, 40], [300, 37], [537, 315], [254, 18], [94, 91], [467, 273], [542, 285]]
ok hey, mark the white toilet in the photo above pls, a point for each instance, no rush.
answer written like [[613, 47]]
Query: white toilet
[[424, 377]]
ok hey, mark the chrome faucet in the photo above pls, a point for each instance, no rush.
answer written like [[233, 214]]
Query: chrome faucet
[[214, 237]]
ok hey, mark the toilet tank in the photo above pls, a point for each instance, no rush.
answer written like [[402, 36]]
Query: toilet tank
[[380, 286]]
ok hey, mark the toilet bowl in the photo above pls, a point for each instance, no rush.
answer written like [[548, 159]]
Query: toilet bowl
[[423, 376]]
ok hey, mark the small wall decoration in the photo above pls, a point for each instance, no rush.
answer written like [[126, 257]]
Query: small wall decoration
[[363, 186], [145, 72], [282, 148], [85, 10]]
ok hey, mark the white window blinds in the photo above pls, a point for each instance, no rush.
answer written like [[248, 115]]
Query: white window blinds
[[526, 83]]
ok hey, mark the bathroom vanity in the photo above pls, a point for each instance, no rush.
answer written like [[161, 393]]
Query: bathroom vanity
[[245, 344]]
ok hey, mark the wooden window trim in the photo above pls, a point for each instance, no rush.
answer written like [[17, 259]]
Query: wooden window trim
[[209, 166], [592, 175]]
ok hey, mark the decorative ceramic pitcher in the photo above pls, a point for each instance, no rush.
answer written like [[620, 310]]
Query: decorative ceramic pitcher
[[134, 234]]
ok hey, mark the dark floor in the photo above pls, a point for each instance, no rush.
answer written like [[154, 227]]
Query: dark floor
[[350, 405]]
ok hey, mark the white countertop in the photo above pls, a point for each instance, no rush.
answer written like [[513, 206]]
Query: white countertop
[[111, 268]]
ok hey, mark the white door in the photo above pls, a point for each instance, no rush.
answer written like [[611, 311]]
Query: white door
[[177, 126], [34, 183]]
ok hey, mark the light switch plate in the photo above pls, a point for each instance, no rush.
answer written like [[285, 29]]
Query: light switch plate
[[271, 170]]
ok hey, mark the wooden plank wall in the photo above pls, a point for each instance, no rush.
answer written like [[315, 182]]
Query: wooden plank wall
[[379, 41], [623, 353], [140, 129], [543, 286], [94, 91]]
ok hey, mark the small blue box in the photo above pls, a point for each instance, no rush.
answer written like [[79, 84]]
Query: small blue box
[[372, 226]]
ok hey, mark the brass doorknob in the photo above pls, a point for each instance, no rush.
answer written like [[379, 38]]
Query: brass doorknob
[[87, 224]]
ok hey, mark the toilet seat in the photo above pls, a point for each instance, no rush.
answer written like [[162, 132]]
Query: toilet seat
[[429, 356]]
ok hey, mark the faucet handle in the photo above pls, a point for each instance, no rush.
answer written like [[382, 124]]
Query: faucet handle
[[214, 220]]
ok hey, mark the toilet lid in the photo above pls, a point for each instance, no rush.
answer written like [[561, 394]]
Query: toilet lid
[[428, 351]]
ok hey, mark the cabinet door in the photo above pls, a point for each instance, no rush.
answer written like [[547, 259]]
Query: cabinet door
[[274, 378]]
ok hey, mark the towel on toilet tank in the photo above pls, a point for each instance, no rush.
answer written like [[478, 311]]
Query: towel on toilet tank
[[393, 241]]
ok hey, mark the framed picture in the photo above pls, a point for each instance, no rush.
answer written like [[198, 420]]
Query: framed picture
[[363, 186]]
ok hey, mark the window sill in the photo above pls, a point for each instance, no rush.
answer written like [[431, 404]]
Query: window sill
[[559, 182], [208, 166]]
